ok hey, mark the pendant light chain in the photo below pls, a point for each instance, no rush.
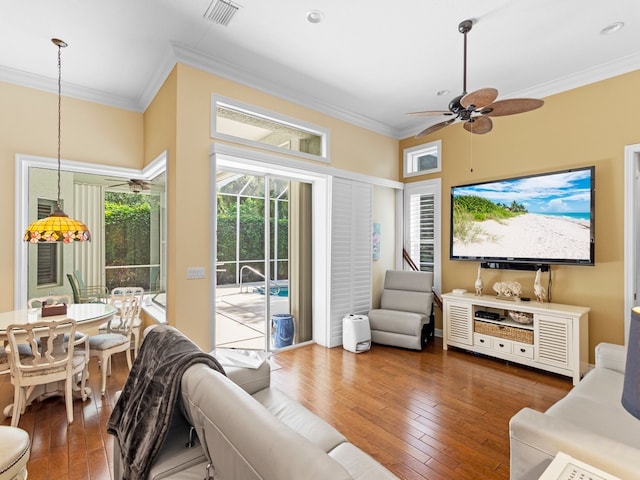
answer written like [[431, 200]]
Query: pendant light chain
[[60, 45]]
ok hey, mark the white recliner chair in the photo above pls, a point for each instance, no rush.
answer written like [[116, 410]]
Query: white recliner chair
[[404, 318]]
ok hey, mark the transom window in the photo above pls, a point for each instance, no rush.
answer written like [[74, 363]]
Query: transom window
[[250, 125], [422, 159]]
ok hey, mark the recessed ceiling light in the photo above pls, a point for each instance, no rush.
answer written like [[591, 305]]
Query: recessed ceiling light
[[442, 93], [315, 16], [612, 28]]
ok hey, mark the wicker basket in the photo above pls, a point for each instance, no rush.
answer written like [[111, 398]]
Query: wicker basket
[[507, 332]]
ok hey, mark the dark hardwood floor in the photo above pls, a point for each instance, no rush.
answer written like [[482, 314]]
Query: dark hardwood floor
[[424, 415]]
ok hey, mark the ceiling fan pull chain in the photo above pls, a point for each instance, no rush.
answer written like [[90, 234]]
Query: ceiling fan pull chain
[[471, 154]]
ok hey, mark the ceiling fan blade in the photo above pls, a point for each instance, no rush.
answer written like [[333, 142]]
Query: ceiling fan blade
[[119, 184], [145, 186], [430, 112], [479, 125], [479, 98], [435, 128], [511, 106]]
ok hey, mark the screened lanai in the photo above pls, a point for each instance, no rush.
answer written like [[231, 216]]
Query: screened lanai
[[254, 224]]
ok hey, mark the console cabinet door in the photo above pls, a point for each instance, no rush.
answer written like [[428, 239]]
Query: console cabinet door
[[459, 323], [553, 340]]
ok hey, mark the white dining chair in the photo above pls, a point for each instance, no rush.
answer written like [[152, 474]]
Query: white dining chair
[[116, 337], [23, 350], [36, 302], [117, 292], [53, 360]]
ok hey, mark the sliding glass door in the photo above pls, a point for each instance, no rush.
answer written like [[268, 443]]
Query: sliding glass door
[[261, 296]]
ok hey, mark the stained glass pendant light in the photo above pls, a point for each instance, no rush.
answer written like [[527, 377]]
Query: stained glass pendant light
[[57, 227]]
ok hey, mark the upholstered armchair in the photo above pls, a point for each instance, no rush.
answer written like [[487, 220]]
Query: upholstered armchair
[[404, 318]]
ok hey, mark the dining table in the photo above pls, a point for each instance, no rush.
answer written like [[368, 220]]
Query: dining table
[[88, 317]]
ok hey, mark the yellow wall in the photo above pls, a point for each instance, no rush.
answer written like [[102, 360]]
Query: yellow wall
[[585, 126], [384, 204], [178, 121], [582, 127], [352, 148], [91, 133]]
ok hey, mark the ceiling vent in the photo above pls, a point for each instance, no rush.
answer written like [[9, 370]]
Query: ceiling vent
[[221, 11]]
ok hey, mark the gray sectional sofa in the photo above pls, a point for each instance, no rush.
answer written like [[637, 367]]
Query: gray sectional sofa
[[589, 424], [240, 427]]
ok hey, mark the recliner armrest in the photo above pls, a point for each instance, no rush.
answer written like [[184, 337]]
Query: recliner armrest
[[611, 356]]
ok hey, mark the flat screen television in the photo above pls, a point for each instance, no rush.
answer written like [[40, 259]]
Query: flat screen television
[[535, 219]]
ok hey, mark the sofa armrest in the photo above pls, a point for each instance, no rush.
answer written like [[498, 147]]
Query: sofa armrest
[[610, 356], [535, 438]]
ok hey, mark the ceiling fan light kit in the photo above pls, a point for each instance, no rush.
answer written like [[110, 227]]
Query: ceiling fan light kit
[[475, 108]]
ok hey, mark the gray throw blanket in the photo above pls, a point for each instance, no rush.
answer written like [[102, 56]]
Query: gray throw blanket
[[141, 417]]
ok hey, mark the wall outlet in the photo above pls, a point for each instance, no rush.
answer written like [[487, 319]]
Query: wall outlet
[[195, 272]]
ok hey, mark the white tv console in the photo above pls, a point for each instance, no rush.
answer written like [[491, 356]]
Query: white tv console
[[556, 341]]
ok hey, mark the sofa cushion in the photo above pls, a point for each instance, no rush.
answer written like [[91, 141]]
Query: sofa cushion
[[297, 417], [244, 439], [404, 323], [595, 404], [359, 465], [600, 385]]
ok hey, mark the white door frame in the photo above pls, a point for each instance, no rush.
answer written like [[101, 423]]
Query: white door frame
[[631, 231], [228, 157]]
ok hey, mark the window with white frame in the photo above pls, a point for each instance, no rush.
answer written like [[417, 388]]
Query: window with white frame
[[423, 159], [250, 125], [422, 202]]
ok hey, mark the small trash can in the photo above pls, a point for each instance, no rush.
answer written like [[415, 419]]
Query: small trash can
[[282, 329], [356, 333]]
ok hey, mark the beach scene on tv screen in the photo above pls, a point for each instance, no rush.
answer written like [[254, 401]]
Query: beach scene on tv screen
[[545, 216]]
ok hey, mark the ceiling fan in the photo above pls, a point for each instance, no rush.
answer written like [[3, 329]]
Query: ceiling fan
[[475, 108], [135, 185]]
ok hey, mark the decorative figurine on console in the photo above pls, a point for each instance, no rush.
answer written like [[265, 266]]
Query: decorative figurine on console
[[508, 290], [538, 289], [479, 285]]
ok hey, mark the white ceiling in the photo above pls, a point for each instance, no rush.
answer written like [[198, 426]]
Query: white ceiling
[[368, 62]]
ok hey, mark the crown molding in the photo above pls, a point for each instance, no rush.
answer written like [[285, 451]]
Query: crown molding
[[153, 86], [229, 71], [595, 74], [179, 53], [39, 82]]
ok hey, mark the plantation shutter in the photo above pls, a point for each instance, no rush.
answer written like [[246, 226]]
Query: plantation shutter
[[422, 226], [47, 252], [350, 253], [422, 230]]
